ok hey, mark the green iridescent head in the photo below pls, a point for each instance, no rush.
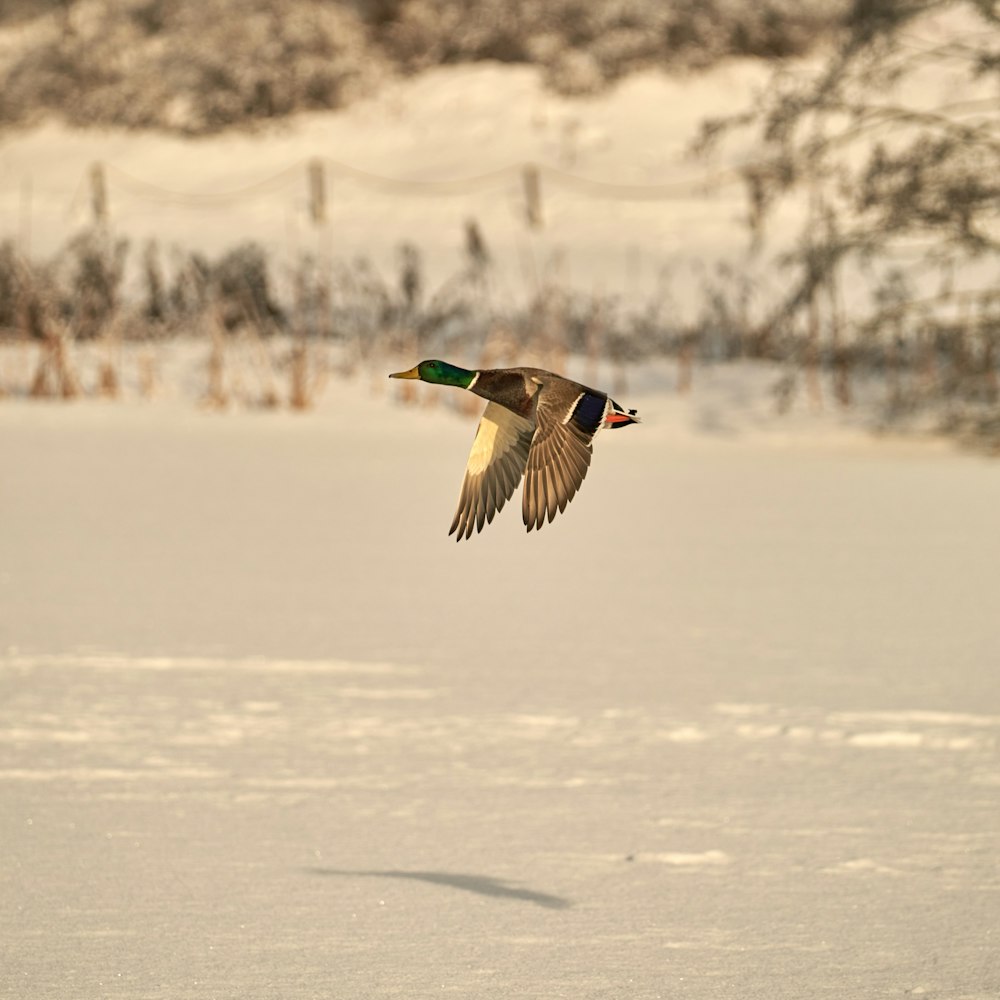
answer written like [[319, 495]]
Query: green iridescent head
[[440, 373]]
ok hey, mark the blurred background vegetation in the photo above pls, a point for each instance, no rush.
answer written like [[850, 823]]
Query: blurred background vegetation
[[197, 66], [899, 183]]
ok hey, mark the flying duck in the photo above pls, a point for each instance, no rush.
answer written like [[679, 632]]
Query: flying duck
[[537, 425]]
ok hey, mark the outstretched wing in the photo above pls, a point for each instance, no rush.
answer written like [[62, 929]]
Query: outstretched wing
[[496, 465], [560, 451]]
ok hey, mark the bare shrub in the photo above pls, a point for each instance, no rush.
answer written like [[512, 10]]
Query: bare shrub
[[197, 66], [902, 190], [193, 66], [94, 263], [242, 289], [583, 46]]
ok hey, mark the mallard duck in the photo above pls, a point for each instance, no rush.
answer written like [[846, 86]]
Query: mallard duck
[[537, 425]]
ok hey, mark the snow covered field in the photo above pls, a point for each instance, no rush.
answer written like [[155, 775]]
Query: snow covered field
[[726, 729]]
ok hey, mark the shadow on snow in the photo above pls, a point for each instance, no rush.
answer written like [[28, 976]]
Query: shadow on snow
[[482, 885]]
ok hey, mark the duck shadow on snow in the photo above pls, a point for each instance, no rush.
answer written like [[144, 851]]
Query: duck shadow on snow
[[481, 885]]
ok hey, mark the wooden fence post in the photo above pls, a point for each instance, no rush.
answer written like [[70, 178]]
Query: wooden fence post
[[532, 196], [317, 192], [98, 194]]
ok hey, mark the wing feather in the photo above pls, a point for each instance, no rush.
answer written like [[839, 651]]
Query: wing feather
[[559, 457], [495, 467]]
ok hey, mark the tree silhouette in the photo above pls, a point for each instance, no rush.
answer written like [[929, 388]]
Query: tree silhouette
[[893, 147]]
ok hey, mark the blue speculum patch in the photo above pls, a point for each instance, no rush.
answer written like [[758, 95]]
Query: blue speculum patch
[[589, 412]]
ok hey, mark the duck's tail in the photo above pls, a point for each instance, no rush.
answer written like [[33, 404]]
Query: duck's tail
[[617, 416]]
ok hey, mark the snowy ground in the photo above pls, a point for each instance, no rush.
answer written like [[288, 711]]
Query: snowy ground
[[726, 729]]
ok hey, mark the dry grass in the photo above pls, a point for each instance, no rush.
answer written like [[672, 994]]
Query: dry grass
[[348, 319]]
